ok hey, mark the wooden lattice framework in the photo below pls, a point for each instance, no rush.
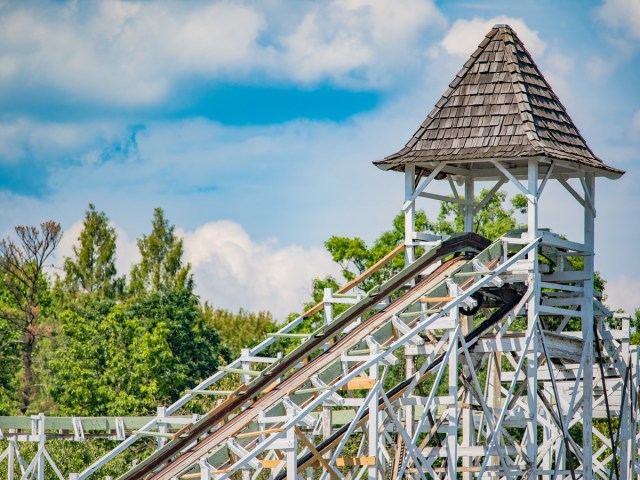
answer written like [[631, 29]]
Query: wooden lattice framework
[[478, 360]]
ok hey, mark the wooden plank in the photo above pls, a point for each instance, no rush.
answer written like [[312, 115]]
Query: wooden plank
[[355, 461], [350, 462], [361, 383], [332, 473], [436, 299], [259, 432], [271, 464]]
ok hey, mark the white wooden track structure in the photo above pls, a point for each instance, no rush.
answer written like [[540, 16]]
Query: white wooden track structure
[[478, 360]]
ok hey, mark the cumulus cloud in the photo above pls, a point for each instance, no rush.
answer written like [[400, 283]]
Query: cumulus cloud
[[358, 40], [465, 35], [623, 15], [135, 53], [124, 52], [232, 270], [623, 292]]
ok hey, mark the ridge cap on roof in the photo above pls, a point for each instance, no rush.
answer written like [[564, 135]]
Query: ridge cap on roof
[[450, 89]]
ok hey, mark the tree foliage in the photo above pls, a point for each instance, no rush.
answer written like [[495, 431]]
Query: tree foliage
[[123, 355], [493, 220], [127, 358], [92, 269], [161, 267], [26, 289], [240, 330]]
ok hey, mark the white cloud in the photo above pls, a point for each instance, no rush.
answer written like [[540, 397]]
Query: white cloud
[[622, 14], [465, 35], [231, 270], [133, 53], [23, 138], [623, 292], [125, 52], [365, 37]]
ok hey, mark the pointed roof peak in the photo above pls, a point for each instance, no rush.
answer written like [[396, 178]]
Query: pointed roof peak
[[499, 106]]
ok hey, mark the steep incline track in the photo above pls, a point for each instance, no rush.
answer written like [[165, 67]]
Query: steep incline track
[[265, 383], [400, 388]]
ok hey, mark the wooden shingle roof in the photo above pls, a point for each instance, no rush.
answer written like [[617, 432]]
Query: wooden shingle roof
[[499, 106]]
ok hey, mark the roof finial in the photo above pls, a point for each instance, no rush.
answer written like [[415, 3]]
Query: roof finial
[[502, 25]]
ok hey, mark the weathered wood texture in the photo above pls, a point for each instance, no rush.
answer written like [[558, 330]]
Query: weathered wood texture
[[498, 106]]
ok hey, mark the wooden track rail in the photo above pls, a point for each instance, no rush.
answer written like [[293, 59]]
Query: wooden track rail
[[265, 389]]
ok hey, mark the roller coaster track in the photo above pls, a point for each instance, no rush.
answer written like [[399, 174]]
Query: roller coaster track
[[273, 385], [401, 387]]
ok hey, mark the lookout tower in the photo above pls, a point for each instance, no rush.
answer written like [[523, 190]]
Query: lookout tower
[[500, 122]]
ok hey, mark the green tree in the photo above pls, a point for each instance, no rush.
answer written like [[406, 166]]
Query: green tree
[[354, 256], [127, 358], [239, 330], [9, 360], [92, 269], [27, 294], [493, 220], [161, 267]]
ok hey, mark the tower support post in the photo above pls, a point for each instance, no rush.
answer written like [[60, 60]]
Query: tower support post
[[409, 213], [532, 317], [468, 205], [587, 327]]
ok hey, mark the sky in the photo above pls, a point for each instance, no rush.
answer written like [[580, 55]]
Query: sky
[[254, 124]]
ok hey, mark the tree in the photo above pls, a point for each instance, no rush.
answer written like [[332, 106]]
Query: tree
[[22, 268], [92, 269], [161, 266], [9, 360], [493, 220], [354, 257], [127, 358], [239, 330]]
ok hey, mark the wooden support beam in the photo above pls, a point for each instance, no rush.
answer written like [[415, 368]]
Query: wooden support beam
[[355, 461], [325, 464], [436, 299], [272, 463], [351, 462], [361, 383], [257, 433]]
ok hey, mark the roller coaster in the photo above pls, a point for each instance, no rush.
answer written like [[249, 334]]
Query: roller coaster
[[478, 359]]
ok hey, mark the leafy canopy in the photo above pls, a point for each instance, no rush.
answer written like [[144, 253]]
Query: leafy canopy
[[493, 220], [92, 269], [161, 267]]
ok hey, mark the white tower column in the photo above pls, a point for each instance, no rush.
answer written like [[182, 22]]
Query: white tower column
[[409, 213], [587, 327], [468, 207], [532, 317]]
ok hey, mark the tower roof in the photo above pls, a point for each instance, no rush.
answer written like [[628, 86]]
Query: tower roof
[[499, 107]]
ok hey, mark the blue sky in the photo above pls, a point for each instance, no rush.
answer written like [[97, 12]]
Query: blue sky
[[254, 124]]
